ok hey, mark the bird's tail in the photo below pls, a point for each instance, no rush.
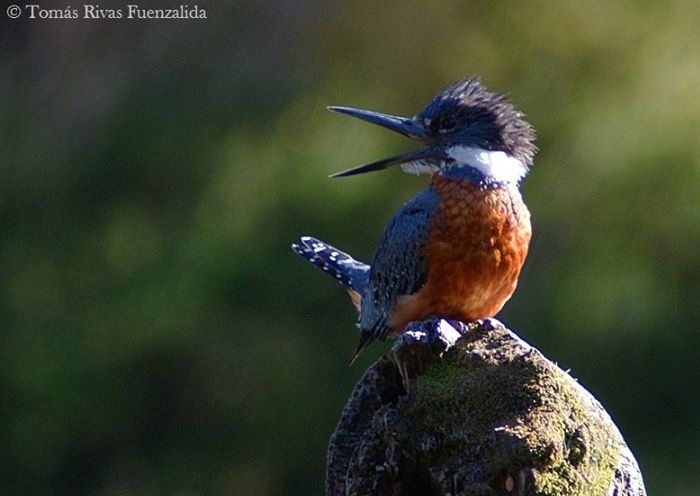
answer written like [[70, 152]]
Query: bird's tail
[[351, 273], [365, 339]]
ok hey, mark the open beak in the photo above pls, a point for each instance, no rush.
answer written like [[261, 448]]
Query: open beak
[[403, 125]]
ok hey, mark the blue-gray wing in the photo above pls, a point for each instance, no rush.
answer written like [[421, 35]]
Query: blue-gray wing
[[398, 267]]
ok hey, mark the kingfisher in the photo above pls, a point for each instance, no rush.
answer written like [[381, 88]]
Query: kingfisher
[[454, 250]]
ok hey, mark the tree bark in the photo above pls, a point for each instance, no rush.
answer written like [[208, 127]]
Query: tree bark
[[457, 409]]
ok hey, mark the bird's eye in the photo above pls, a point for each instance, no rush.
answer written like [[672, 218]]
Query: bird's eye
[[446, 124]]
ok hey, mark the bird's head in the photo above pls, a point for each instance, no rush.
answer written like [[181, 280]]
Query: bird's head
[[465, 125]]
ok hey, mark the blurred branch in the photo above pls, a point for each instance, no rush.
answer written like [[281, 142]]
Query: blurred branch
[[475, 412]]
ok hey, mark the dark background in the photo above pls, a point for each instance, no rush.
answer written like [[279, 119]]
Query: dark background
[[157, 335]]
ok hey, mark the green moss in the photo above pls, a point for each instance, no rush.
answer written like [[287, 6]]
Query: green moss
[[531, 409], [435, 391], [586, 463], [439, 382]]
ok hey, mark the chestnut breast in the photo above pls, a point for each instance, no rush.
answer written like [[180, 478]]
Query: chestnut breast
[[476, 245]]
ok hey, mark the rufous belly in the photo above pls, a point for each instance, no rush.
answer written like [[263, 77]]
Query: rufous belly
[[477, 244]]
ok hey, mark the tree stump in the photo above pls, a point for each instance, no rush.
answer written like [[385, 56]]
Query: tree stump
[[457, 409]]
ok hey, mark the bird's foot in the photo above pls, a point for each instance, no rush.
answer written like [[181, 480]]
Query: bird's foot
[[422, 342], [489, 324], [437, 333]]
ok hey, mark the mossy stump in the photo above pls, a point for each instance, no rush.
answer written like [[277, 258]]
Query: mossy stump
[[475, 412]]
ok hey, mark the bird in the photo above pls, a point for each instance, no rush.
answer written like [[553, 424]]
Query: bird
[[456, 249]]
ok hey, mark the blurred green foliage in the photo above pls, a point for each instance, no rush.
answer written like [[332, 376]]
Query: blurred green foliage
[[159, 337]]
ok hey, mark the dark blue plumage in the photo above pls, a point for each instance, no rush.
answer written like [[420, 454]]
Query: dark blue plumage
[[456, 249], [398, 266]]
